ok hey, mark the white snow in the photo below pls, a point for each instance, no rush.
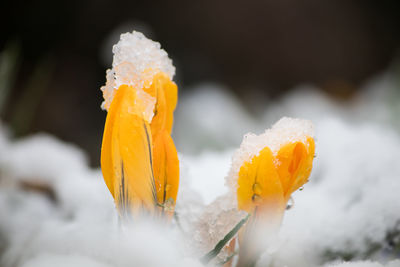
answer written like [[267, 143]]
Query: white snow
[[79, 223], [51, 260], [285, 131], [136, 61], [395, 263], [205, 171], [209, 117]]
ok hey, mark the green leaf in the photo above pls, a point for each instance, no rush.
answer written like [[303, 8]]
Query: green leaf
[[221, 244]]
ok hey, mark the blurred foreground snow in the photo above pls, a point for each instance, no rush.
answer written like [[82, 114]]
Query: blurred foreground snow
[[56, 211]]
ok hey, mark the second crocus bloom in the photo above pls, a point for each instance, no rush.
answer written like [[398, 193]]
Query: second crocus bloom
[[266, 182], [269, 167], [265, 171]]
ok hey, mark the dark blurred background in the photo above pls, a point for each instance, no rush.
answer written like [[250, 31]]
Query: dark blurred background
[[54, 54]]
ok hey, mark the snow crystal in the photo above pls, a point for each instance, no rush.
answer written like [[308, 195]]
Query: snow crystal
[[136, 61]]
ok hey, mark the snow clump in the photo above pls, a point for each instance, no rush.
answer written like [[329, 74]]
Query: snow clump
[[136, 60]]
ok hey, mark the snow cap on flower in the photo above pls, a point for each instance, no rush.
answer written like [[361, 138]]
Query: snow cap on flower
[[136, 60]]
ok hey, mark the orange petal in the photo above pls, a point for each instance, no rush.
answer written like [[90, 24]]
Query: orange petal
[[295, 165], [305, 166]]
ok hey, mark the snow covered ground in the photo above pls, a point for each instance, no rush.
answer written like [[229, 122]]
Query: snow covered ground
[[56, 211]]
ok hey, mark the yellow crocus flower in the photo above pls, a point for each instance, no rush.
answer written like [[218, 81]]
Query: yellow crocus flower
[[266, 183], [266, 180], [139, 160]]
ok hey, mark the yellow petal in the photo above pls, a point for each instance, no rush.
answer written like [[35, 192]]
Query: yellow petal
[[106, 160], [259, 187], [166, 169], [126, 157]]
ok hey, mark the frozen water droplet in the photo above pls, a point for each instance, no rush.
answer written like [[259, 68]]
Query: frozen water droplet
[[290, 204], [256, 199], [257, 189]]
